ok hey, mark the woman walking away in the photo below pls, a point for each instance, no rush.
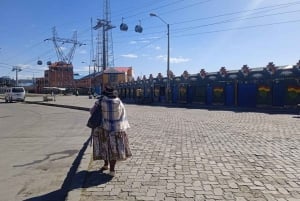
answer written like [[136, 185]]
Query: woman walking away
[[113, 140]]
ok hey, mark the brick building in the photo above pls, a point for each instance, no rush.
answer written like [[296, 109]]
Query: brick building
[[60, 74]]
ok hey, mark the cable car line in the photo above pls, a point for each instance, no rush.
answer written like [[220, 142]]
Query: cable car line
[[238, 12], [234, 20], [238, 28]]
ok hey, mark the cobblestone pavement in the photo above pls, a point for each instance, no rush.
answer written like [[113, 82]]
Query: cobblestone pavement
[[198, 154]]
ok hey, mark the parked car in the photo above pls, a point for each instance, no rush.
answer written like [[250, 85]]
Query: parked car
[[15, 94]]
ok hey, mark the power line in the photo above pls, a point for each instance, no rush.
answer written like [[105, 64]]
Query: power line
[[224, 30], [240, 12], [184, 7], [234, 20], [273, 7], [239, 28], [148, 10], [22, 52]]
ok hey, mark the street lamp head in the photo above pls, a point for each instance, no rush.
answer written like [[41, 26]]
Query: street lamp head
[[154, 15]]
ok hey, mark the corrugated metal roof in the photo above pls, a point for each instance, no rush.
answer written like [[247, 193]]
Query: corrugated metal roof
[[123, 69], [112, 71]]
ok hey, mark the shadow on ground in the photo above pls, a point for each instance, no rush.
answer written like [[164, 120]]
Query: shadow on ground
[[73, 180]]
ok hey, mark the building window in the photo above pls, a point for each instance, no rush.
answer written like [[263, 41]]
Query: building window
[[113, 77]]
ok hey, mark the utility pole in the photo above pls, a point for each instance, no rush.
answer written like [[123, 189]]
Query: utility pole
[[17, 69]]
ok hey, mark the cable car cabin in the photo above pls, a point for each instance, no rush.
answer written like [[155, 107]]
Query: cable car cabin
[[138, 29], [39, 62], [123, 27]]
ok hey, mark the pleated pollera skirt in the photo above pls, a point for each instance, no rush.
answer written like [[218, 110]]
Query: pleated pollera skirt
[[110, 145]]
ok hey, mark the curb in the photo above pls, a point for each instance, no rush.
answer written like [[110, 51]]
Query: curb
[[57, 105], [74, 193]]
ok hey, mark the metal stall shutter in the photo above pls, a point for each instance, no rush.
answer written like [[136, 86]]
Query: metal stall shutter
[[190, 93], [229, 95], [183, 93], [209, 95], [174, 94], [247, 95], [199, 94], [278, 94]]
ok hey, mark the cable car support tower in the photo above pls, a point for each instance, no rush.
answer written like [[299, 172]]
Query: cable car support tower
[[104, 49]]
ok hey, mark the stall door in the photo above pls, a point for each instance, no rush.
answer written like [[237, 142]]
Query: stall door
[[229, 95], [174, 94], [162, 94], [190, 93], [209, 95], [247, 95], [278, 94], [156, 93], [183, 93]]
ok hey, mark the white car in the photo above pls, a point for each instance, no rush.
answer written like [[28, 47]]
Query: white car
[[14, 94]]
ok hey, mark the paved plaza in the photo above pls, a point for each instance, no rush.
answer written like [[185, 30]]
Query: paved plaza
[[199, 155]]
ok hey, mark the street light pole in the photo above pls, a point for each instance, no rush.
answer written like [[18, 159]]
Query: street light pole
[[168, 65], [94, 76], [89, 78], [168, 56], [90, 81]]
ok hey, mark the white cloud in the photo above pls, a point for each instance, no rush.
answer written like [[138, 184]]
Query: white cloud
[[129, 55], [145, 41], [82, 52], [174, 60], [154, 47], [179, 60], [24, 65], [161, 57], [133, 42]]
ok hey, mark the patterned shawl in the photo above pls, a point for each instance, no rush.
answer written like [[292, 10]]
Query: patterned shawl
[[114, 114]]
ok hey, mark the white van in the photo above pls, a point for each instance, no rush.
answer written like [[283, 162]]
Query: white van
[[14, 94]]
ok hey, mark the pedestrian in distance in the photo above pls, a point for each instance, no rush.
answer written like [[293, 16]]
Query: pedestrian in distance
[[113, 144], [53, 95]]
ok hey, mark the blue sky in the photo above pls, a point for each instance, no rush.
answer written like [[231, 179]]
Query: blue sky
[[205, 34]]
